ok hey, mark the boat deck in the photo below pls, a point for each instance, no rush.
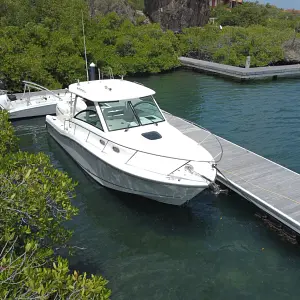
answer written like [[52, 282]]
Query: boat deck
[[273, 188]]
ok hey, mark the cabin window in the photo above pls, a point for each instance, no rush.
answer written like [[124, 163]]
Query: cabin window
[[118, 115], [91, 117], [146, 110], [130, 113], [89, 103]]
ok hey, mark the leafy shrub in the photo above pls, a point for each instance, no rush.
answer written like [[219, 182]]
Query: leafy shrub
[[232, 45], [8, 140], [44, 43], [35, 201]]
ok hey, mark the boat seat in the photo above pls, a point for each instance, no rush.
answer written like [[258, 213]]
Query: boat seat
[[118, 117], [12, 97], [111, 113]]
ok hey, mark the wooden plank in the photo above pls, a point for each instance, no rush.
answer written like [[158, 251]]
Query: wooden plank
[[296, 218], [197, 136], [295, 214], [238, 162], [274, 178], [290, 208], [267, 190], [254, 171], [268, 185], [272, 198]]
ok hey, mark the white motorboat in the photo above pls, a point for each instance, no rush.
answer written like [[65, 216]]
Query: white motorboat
[[121, 138], [35, 101]]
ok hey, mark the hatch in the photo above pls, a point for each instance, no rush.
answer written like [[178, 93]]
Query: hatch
[[152, 135]]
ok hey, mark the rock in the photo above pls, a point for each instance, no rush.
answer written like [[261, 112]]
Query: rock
[[291, 50], [178, 14], [121, 7], [140, 14]]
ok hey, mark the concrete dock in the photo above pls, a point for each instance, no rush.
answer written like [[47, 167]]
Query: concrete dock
[[271, 187], [241, 73]]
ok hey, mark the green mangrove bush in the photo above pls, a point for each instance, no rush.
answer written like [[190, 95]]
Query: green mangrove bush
[[35, 201], [43, 42], [233, 44]]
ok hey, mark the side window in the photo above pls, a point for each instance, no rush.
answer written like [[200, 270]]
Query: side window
[[89, 103], [91, 117]]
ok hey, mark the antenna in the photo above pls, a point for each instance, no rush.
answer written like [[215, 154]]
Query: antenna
[[86, 67]]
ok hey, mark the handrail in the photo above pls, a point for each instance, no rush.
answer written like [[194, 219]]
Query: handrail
[[164, 156], [203, 128], [139, 83], [171, 174], [39, 87]]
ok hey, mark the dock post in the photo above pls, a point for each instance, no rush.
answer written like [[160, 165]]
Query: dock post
[[92, 71], [248, 62]]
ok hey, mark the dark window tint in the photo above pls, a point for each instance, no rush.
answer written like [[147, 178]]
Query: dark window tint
[[91, 117]]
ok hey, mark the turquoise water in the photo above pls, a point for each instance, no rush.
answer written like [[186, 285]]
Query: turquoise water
[[213, 248]]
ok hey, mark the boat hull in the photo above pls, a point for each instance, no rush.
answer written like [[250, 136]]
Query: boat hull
[[116, 179], [33, 111]]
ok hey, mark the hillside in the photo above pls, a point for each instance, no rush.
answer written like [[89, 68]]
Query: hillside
[[178, 14], [126, 8]]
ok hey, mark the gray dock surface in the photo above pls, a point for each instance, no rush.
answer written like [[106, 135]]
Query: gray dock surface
[[273, 188], [241, 73]]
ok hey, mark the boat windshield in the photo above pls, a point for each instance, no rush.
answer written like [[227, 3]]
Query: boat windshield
[[126, 114]]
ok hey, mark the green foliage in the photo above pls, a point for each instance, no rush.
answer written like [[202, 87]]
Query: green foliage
[[38, 201], [8, 140], [43, 43], [35, 201], [253, 13], [130, 49], [137, 4], [23, 276], [232, 45], [250, 29], [201, 41], [264, 45]]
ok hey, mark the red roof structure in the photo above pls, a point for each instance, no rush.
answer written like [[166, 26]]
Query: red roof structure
[[232, 3]]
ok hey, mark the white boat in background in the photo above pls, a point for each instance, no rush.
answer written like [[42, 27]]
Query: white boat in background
[[121, 138], [32, 104]]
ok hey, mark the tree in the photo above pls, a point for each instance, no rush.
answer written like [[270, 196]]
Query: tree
[[46, 45], [35, 202], [233, 44], [253, 13]]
